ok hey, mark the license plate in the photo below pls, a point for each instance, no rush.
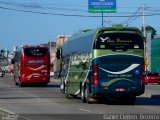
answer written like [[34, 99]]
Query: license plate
[[120, 89]]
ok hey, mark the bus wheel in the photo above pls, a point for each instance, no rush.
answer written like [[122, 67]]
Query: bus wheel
[[83, 99], [87, 98]]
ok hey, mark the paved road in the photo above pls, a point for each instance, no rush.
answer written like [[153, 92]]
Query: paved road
[[37, 102]]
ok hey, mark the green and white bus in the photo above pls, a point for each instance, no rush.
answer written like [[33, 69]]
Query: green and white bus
[[106, 62]]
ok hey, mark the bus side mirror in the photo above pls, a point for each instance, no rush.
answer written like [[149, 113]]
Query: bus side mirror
[[12, 61]]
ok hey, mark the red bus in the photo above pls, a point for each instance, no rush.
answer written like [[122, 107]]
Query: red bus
[[31, 64]]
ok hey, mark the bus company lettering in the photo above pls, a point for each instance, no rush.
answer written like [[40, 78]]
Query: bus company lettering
[[119, 41], [122, 75], [35, 61], [124, 41]]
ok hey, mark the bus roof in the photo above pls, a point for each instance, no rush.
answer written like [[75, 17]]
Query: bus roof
[[117, 28], [86, 37]]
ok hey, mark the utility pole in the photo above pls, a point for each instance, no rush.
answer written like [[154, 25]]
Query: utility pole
[[144, 34], [143, 16], [102, 19]]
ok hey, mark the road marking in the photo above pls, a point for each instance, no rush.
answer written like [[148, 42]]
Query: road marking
[[84, 110], [7, 111], [12, 113]]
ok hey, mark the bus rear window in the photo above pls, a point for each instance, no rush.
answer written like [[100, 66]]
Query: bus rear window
[[119, 41], [35, 52]]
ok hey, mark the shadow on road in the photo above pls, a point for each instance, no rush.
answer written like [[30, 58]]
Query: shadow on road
[[155, 96], [41, 85], [148, 101], [53, 85], [139, 101]]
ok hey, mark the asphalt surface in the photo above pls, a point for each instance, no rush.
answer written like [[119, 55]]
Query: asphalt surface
[[48, 103]]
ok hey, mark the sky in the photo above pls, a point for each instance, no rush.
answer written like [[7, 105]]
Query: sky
[[32, 22]]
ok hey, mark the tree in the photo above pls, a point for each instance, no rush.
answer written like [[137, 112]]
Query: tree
[[150, 29]]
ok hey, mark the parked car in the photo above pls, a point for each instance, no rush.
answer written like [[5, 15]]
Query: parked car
[[152, 77], [1, 73]]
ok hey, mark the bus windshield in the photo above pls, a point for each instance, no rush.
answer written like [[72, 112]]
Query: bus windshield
[[35, 52], [119, 41]]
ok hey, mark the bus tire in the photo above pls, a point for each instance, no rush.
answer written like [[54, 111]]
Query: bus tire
[[83, 99], [86, 94]]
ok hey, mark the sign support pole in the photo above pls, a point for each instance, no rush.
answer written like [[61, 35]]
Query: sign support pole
[[102, 19]]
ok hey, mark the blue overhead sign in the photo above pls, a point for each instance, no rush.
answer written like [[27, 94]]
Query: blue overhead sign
[[101, 6]]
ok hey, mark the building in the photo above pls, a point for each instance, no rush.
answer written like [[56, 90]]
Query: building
[[152, 52], [61, 39], [155, 55]]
